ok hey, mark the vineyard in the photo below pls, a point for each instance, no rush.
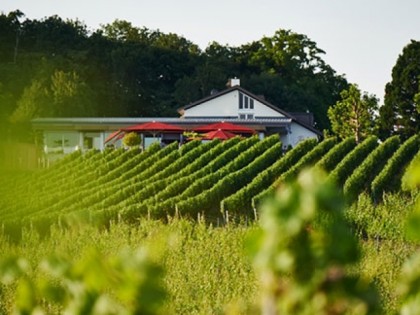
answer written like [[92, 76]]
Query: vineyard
[[224, 180], [85, 222]]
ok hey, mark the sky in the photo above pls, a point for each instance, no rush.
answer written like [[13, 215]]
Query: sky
[[362, 39]]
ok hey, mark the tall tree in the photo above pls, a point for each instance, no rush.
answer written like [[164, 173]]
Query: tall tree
[[10, 28], [399, 114], [294, 62], [353, 115]]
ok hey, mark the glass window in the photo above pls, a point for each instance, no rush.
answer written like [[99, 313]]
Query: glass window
[[61, 139], [241, 104], [251, 103], [91, 140]]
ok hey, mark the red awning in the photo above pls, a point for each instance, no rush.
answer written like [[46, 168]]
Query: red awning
[[225, 126], [218, 134], [155, 127]]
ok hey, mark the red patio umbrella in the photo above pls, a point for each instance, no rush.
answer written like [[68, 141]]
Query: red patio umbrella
[[219, 134], [154, 127], [225, 126]]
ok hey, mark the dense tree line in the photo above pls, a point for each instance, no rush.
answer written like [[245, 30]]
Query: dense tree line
[[58, 68]]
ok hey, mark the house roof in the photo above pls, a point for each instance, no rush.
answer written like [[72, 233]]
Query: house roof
[[262, 100]]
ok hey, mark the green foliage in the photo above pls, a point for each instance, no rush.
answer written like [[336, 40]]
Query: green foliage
[[129, 283], [304, 251], [232, 160], [120, 280], [347, 165], [232, 182], [330, 160], [60, 94], [352, 116], [389, 179], [305, 248], [292, 73], [240, 202], [381, 221], [131, 139], [400, 115], [410, 277], [368, 170], [308, 159], [409, 180]]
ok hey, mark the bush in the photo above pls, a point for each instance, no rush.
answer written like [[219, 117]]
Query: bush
[[131, 139]]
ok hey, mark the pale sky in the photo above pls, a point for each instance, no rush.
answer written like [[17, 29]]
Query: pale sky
[[362, 38]]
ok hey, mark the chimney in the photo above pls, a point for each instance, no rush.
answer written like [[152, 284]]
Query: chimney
[[233, 82]]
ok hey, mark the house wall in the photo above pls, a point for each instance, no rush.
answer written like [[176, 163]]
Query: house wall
[[69, 141], [299, 133], [227, 105]]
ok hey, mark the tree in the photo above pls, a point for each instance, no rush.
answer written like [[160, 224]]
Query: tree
[[124, 31], [33, 103], [9, 35], [131, 140], [52, 36], [353, 115], [63, 94], [301, 79], [400, 114], [70, 95], [417, 101]]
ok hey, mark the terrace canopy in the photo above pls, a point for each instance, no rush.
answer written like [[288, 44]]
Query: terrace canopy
[[218, 134], [224, 126], [154, 127]]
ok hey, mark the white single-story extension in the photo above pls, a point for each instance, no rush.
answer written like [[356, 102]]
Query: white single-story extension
[[234, 104]]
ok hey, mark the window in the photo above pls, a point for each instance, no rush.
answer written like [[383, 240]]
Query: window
[[246, 107], [245, 102], [246, 116]]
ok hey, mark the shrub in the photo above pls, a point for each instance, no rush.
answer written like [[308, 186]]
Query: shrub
[[131, 139]]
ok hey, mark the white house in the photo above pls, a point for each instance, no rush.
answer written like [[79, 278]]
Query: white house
[[240, 106], [234, 104]]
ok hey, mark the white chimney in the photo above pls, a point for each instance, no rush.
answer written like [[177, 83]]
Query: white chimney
[[234, 82]]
